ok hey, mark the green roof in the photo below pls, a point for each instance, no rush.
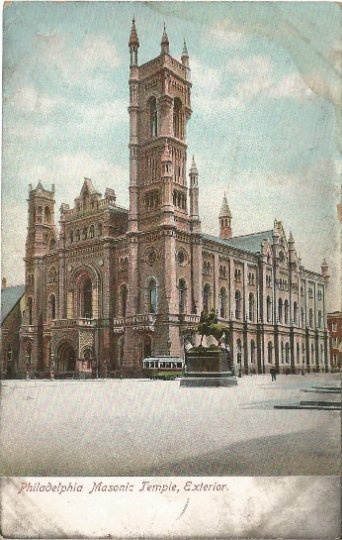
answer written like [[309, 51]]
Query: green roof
[[10, 296], [248, 242]]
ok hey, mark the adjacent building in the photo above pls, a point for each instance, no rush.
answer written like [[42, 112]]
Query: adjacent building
[[335, 339], [112, 285], [12, 310]]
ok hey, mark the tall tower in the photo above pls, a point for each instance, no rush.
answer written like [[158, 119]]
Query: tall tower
[[160, 226], [41, 241], [225, 219], [159, 110]]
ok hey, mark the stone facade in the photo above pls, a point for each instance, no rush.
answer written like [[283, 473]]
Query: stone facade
[[113, 286], [335, 339]]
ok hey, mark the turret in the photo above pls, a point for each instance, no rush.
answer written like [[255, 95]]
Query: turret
[[41, 232], [185, 55], [225, 218], [164, 45], [193, 191], [325, 271], [166, 177], [133, 44]]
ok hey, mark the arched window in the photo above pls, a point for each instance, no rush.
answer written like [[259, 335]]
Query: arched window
[[251, 307], [302, 317], [52, 244], [295, 313], [269, 309], [252, 351], [310, 318], [123, 300], [147, 346], [87, 299], [237, 305], [99, 229], [153, 117], [282, 352], [280, 310], [238, 351], [91, 231], [30, 310], [77, 235], [287, 353], [286, 309], [206, 297], [177, 107], [319, 319], [152, 296], [223, 298], [270, 352], [52, 307], [85, 233], [182, 296], [312, 354], [47, 215]]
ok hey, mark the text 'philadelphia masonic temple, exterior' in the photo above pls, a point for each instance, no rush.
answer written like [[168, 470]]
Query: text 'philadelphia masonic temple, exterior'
[[113, 286]]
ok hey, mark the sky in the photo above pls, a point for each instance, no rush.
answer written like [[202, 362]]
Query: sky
[[265, 128]]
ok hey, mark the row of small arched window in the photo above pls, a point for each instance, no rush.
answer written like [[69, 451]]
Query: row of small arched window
[[179, 200], [285, 352], [178, 118], [86, 233], [41, 215]]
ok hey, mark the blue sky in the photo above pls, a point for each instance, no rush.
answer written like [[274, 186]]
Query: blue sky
[[265, 124]]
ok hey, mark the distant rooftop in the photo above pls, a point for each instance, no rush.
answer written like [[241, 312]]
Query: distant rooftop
[[9, 297]]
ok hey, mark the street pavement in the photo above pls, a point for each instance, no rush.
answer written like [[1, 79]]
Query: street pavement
[[140, 427]]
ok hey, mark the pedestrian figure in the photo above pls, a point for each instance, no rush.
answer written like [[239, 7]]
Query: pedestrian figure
[[273, 374]]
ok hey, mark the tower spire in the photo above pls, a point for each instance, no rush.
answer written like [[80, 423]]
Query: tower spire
[[164, 43], [225, 218], [194, 192], [185, 55], [133, 44]]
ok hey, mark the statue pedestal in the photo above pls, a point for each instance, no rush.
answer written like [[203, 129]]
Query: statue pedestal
[[207, 367]]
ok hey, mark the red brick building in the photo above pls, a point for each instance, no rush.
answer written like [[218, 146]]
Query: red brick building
[[115, 285]]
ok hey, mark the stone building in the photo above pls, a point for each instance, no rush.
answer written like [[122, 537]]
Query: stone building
[[335, 339], [113, 286]]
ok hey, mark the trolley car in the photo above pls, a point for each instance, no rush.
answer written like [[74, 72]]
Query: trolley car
[[163, 367]]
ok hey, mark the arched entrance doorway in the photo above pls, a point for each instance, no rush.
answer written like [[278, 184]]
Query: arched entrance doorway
[[66, 359]]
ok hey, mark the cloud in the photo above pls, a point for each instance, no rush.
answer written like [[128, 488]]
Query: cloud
[[253, 77], [78, 64], [103, 115], [226, 33], [29, 99]]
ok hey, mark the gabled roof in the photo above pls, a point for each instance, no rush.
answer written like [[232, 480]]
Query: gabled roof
[[9, 297], [88, 187], [248, 242]]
